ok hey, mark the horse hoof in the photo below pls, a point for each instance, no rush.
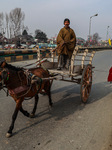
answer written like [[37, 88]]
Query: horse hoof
[[50, 107], [32, 115], [51, 104], [8, 135]]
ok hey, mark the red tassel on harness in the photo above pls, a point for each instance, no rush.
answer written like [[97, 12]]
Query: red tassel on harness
[[110, 75]]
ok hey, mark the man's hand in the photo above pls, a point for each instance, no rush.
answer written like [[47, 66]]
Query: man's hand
[[62, 43]]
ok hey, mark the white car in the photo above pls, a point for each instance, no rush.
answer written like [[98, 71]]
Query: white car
[[32, 46], [23, 46]]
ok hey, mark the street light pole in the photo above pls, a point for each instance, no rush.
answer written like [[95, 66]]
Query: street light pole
[[107, 33], [90, 25]]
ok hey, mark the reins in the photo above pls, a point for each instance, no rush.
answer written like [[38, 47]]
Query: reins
[[30, 89], [25, 93], [7, 78]]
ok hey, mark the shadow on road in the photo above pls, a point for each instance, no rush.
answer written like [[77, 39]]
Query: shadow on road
[[100, 90], [69, 103]]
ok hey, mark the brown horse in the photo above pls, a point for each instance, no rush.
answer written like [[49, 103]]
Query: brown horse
[[16, 81]]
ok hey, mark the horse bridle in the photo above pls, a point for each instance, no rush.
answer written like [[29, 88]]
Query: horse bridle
[[4, 77]]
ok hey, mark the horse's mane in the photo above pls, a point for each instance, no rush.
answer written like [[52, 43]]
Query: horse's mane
[[9, 66]]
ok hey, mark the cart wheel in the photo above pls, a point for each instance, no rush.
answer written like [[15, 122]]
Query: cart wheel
[[86, 83]]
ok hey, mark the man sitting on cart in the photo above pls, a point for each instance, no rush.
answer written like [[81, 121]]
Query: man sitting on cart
[[66, 42]]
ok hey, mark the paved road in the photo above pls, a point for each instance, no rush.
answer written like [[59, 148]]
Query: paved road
[[70, 125]]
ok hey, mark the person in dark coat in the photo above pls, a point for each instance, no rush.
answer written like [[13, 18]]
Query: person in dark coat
[[66, 42]]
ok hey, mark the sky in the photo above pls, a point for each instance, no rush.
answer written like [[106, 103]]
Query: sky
[[48, 15]]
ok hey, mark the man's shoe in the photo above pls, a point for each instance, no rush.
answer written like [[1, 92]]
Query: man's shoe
[[65, 69], [58, 68]]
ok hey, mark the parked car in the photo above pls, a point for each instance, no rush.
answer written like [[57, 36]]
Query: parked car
[[23, 46], [32, 46], [1, 47], [7, 46], [12, 46], [52, 45]]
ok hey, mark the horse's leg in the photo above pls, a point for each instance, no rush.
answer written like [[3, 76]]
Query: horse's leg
[[47, 89], [24, 112], [35, 106], [50, 100], [9, 133], [14, 116]]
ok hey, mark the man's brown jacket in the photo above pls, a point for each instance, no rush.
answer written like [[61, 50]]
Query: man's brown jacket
[[66, 41]]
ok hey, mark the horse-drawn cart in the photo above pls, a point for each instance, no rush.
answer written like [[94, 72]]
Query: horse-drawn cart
[[79, 72], [22, 83]]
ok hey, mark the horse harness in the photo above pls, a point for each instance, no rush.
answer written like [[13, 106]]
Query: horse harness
[[4, 76], [31, 79]]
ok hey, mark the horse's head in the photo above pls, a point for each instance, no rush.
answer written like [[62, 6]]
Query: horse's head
[[3, 74]]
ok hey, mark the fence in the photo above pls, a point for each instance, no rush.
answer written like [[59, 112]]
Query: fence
[[27, 54]]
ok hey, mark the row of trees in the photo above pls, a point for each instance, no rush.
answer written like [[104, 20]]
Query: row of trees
[[93, 40], [12, 25]]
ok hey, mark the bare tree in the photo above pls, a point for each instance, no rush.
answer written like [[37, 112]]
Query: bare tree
[[96, 37], [41, 36], [7, 24], [16, 20], [25, 28], [1, 23]]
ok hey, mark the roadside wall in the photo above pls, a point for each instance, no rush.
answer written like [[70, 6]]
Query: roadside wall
[[20, 55], [27, 54]]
